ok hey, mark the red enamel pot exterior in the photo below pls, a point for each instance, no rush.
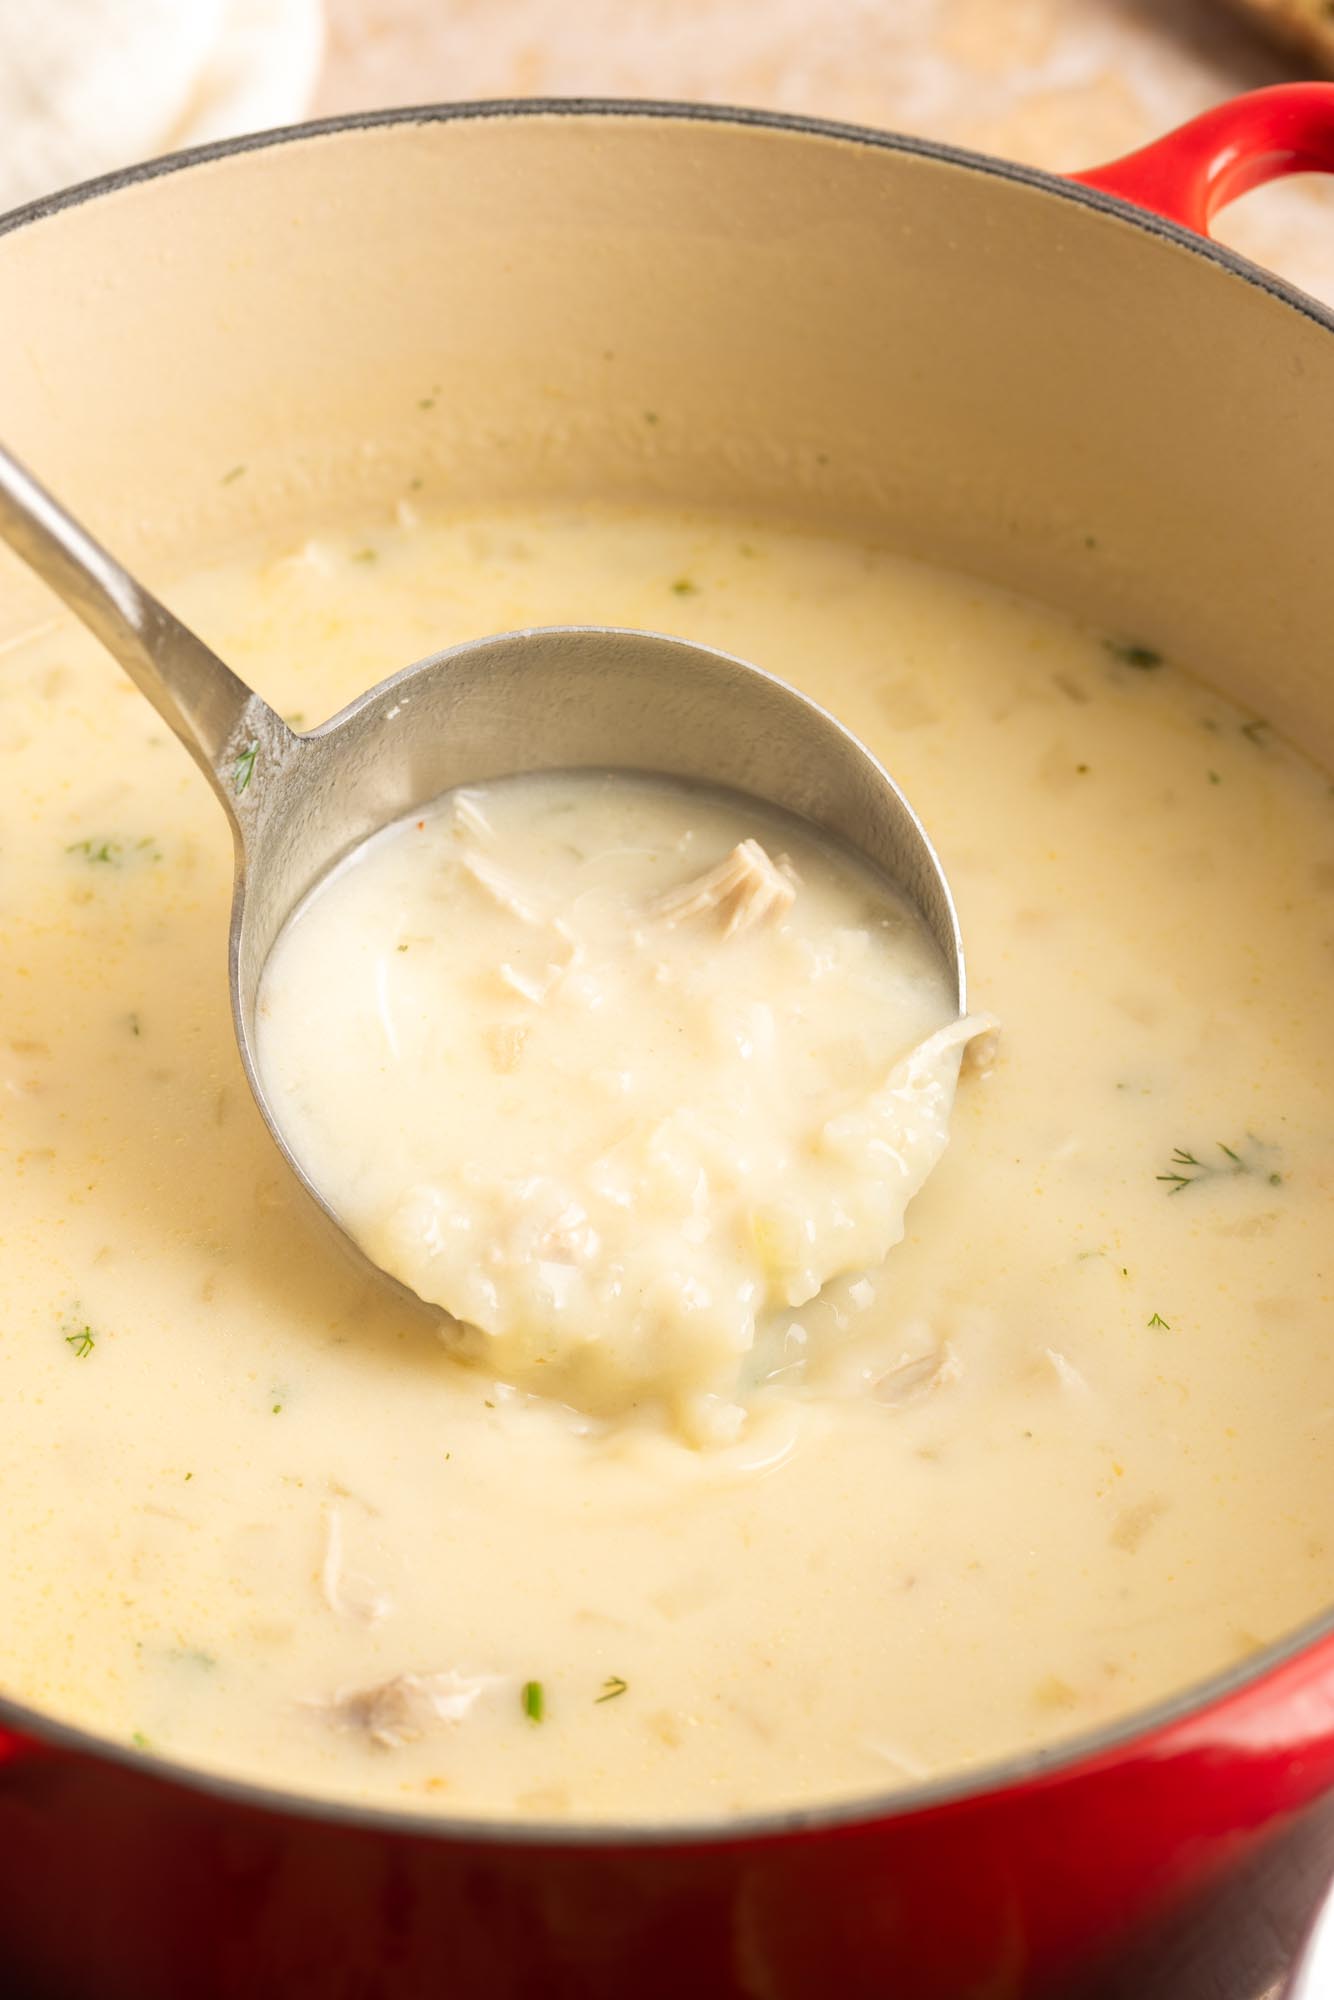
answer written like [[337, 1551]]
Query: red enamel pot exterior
[[1088, 1872]]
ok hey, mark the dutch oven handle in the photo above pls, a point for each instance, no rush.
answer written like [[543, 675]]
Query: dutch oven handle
[[1191, 173]]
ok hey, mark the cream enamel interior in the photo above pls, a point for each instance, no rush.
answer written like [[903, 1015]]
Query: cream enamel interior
[[955, 362]]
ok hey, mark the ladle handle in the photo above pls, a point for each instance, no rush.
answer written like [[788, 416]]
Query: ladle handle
[[221, 722]]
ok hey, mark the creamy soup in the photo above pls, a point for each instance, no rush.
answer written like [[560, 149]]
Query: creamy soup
[[1072, 1445], [582, 1060]]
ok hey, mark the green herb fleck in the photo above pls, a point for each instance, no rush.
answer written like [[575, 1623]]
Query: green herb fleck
[[1214, 778], [83, 1342], [611, 1687], [683, 587], [1179, 1179], [136, 1026], [235, 473], [1186, 1169], [245, 766], [1158, 1320], [106, 851], [276, 1410], [534, 1701], [189, 1475], [295, 719], [1132, 653], [366, 556], [1254, 731], [140, 1741], [426, 402]]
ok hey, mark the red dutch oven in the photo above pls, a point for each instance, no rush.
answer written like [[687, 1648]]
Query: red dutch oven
[[1055, 383]]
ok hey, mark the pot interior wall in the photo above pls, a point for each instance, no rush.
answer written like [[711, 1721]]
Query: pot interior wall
[[699, 311]]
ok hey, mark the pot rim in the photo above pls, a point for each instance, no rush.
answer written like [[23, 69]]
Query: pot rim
[[1067, 1758]]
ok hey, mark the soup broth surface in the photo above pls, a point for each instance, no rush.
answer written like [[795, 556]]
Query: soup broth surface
[[1071, 1446]]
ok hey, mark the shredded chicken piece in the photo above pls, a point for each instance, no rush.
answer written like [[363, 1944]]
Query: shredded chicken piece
[[745, 888], [538, 988], [466, 817], [501, 886], [912, 1380], [400, 1710], [1065, 1371], [346, 1594]]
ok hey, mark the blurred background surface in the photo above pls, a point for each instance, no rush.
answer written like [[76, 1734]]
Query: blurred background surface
[[86, 85]]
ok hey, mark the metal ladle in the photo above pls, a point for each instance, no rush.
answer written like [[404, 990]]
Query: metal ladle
[[555, 698]]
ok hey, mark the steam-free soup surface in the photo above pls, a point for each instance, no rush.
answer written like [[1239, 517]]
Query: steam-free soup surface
[[1068, 1449]]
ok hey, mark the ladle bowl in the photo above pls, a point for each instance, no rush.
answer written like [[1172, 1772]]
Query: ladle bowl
[[546, 699]]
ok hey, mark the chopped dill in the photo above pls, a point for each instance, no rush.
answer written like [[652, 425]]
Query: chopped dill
[[534, 1701], [611, 1687], [234, 474], [684, 587], [105, 851], [245, 766], [1186, 1169], [83, 1342], [1158, 1320], [139, 1740], [1255, 732]]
